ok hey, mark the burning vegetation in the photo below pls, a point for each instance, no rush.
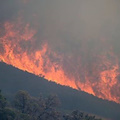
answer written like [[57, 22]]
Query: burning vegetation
[[87, 64]]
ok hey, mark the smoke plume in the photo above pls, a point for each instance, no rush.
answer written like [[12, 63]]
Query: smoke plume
[[74, 43]]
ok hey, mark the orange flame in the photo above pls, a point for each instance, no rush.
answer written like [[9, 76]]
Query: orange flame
[[45, 62]]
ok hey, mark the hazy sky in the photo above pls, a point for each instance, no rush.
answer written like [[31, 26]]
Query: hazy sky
[[79, 27], [65, 23]]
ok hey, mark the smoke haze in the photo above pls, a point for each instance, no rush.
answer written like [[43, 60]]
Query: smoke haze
[[83, 35]]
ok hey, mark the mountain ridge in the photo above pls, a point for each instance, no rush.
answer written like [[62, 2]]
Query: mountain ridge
[[13, 79]]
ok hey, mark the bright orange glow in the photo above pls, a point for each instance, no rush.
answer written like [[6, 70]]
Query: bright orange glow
[[16, 50]]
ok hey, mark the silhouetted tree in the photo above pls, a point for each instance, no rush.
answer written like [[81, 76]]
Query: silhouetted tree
[[36, 108], [27, 107], [49, 111], [3, 101], [22, 101], [77, 115], [5, 112]]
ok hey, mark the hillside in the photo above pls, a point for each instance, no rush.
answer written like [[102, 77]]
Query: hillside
[[13, 79]]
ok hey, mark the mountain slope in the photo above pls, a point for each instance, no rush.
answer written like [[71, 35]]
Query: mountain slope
[[13, 79]]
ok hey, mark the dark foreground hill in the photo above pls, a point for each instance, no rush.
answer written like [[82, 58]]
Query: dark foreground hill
[[13, 79]]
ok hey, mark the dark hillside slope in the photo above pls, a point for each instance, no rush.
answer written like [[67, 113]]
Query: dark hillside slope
[[13, 79]]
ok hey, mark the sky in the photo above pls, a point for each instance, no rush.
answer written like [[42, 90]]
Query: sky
[[67, 21]]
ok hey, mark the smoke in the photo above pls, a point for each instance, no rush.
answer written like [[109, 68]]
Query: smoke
[[68, 24], [85, 33]]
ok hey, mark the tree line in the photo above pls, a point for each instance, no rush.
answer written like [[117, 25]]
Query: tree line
[[26, 107]]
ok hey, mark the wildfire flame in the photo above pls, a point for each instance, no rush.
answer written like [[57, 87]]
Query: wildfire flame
[[16, 48]]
